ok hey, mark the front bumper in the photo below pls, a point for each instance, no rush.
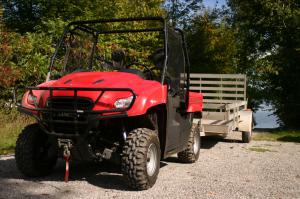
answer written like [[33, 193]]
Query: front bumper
[[79, 121]]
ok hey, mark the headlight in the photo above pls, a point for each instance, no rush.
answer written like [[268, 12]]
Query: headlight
[[32, 99], [123, 103]]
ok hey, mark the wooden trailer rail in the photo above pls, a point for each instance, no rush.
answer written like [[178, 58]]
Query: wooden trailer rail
[[220, 88], [224, 98]]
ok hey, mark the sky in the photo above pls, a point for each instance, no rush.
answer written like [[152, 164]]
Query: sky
[[212, 3]]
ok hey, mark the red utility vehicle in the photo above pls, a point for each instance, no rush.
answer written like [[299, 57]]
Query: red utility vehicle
[[135, 117]]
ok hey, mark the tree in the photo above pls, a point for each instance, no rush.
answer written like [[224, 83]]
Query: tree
[[24, 15], [212, 44], [269, 34], [180, 12]]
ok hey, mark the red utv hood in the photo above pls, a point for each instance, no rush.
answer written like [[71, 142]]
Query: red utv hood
[[148, 93], [100, 79]]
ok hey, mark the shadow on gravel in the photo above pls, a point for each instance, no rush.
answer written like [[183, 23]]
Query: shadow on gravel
[[208, 142], [10, 189], [20, 192], [289, 138], [105, 175]]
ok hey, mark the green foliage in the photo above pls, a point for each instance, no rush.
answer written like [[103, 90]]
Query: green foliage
[[269, 34], [181, 12], [23, 61], [25, 16], [212, 44]]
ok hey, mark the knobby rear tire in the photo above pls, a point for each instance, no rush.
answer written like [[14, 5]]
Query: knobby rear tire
[[191, 154]]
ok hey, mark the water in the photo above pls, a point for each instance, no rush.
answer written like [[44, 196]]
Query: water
[[264, 117]]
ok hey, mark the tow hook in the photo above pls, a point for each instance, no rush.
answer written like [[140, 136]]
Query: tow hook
[[66, 144]]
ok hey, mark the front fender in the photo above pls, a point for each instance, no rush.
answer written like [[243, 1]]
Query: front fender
[[146, 99]]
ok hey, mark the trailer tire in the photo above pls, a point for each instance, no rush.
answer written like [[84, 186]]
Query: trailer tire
[[140, 160], [36, 152], [246, 136], [191, 154]]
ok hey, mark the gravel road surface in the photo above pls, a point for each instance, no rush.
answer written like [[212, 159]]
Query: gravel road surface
[[226, 169]]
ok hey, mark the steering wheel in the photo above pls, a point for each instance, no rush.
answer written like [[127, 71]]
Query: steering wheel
[[143, 65]]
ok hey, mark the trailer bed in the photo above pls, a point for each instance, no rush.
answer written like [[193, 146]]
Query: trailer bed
[[224, 103]]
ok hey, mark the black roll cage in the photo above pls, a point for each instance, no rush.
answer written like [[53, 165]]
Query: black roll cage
[[86, 26]]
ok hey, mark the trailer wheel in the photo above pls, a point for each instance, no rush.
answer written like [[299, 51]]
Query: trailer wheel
[[36, 152], [141, 158], [246, 136], [191, 154]]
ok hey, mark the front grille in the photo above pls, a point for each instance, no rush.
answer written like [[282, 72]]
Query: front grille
[[70, 103], [66, 122]]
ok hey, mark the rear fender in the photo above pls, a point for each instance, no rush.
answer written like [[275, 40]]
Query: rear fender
[[195, 102]]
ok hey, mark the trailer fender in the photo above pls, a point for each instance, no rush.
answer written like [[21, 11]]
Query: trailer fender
[[246, 120]]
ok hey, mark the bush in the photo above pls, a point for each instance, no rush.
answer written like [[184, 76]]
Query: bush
[[24, 60]]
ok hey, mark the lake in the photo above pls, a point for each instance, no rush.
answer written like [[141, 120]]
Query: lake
[[264, 117]]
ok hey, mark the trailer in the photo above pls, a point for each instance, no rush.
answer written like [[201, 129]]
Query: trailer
[[224, 104]]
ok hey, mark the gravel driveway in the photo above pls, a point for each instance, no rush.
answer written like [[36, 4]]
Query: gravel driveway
[[226, 169]]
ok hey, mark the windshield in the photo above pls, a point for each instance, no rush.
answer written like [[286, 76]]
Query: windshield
[[109, 46]]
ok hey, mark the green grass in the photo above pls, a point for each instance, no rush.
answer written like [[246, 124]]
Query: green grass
[[11, 124], [278, 135], [259, 149]]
